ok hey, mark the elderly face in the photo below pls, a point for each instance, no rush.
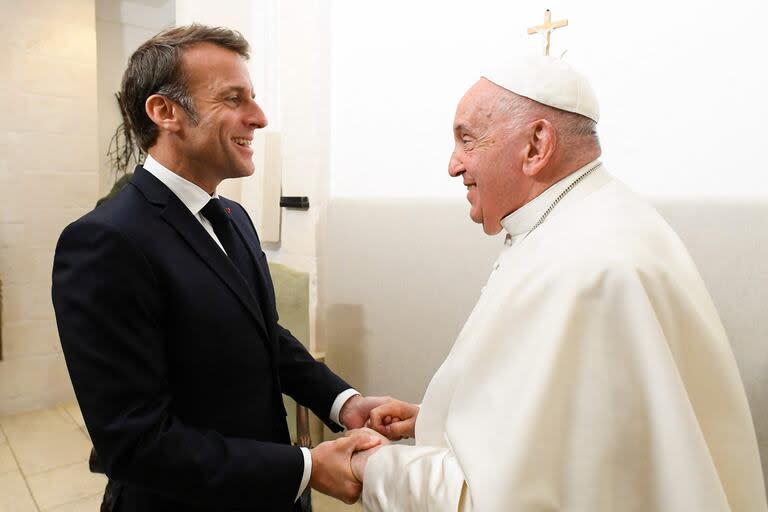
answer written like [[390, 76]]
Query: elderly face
[[488, 155]]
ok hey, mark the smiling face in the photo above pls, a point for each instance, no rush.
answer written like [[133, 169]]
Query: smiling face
[[216, 145], [488, 156]]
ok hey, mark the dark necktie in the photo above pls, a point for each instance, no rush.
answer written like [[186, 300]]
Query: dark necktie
[[238, 253], [232, 243]]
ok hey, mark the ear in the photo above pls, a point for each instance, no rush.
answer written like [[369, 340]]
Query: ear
[[166, 114], [541, 147]]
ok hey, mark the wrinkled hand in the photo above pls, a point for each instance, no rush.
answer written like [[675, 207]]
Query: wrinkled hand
[[360, 459], [395, 419], [357, 410], [332, 467]]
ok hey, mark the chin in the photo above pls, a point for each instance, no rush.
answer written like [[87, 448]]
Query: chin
[[244, 172], [491, 228]]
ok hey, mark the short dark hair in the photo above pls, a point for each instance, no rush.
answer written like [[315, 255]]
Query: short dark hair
[[155, 68]]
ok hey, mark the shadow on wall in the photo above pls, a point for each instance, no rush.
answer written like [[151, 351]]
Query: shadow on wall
[[346, 355], [394, 295]]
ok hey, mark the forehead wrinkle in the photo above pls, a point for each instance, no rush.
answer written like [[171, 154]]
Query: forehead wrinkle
[[238, 88], [480, 120], [232, 88], [478, 112]]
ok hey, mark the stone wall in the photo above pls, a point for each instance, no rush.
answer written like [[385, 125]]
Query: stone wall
[[48, 178]]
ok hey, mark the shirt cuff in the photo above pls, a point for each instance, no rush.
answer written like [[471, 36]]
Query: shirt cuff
[[307, 471], [339, 403]]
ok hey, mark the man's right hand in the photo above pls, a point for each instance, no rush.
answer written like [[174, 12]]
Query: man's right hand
[[395, 419], [360, 459], [332, 468]]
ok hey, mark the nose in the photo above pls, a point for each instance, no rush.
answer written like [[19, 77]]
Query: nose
[[455, 167], [256, 117]]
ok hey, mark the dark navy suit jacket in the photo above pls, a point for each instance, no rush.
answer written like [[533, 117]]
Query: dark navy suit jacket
[[177, 366]]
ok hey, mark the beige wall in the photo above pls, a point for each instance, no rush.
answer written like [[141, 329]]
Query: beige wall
[[48, 177], [121, 26]]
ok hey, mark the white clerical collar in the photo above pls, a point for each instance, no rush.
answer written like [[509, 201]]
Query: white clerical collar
[[190, 194], [525, 218]]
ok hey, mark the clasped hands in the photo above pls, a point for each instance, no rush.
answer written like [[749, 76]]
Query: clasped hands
[[338, 467]]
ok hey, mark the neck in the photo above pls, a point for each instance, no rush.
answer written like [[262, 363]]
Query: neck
[[178, 164], [567, 165], [556, 171]]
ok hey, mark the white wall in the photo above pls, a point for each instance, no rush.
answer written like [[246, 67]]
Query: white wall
[[681, 86], [48, 178], [121, 26]]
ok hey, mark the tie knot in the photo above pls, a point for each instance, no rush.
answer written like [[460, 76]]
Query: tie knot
[[214, 212]]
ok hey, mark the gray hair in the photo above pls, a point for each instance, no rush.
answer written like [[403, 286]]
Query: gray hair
[[574, 130]]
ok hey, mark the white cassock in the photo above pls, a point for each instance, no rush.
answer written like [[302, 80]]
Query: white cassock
[[593, 375]]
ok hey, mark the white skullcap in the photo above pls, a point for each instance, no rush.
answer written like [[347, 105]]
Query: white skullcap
[[549, 81]]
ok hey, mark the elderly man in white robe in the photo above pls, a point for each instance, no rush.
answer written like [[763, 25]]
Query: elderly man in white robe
[[594, 373]]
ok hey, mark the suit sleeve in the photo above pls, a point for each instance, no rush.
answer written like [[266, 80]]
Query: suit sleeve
[[307, 381], [109, 310], [310, 383]]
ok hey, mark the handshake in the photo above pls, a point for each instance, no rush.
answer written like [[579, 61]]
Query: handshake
[[338, 467]]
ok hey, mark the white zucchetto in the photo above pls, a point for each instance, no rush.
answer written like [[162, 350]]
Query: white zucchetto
[[549, 81]]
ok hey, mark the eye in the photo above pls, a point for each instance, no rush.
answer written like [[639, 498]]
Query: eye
[[234, 99]]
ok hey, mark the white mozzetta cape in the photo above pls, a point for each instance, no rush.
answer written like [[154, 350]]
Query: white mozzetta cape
[[593, 375]]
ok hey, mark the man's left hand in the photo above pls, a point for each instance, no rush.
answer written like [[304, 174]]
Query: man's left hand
[[357, 410]]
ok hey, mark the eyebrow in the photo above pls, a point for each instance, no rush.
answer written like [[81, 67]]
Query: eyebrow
[[236, 88], [462, 128]]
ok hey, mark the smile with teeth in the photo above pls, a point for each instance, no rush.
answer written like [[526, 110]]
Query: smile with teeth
[[242, 142]]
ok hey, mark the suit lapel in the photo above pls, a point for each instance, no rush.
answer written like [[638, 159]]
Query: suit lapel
[[254, 249], [265, 284], [182, 220]]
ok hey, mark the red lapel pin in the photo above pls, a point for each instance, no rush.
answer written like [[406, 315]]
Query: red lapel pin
[[229, 211]]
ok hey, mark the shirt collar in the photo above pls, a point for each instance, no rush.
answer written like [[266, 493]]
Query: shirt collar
[[524, 218], [193, 197]]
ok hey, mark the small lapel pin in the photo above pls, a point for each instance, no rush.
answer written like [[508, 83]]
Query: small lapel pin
[[229, 211]]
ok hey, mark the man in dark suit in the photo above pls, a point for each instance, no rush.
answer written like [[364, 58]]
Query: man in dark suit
[[166, 309]]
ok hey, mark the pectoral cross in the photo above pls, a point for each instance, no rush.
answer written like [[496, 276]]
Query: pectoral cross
[[546, 28]]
